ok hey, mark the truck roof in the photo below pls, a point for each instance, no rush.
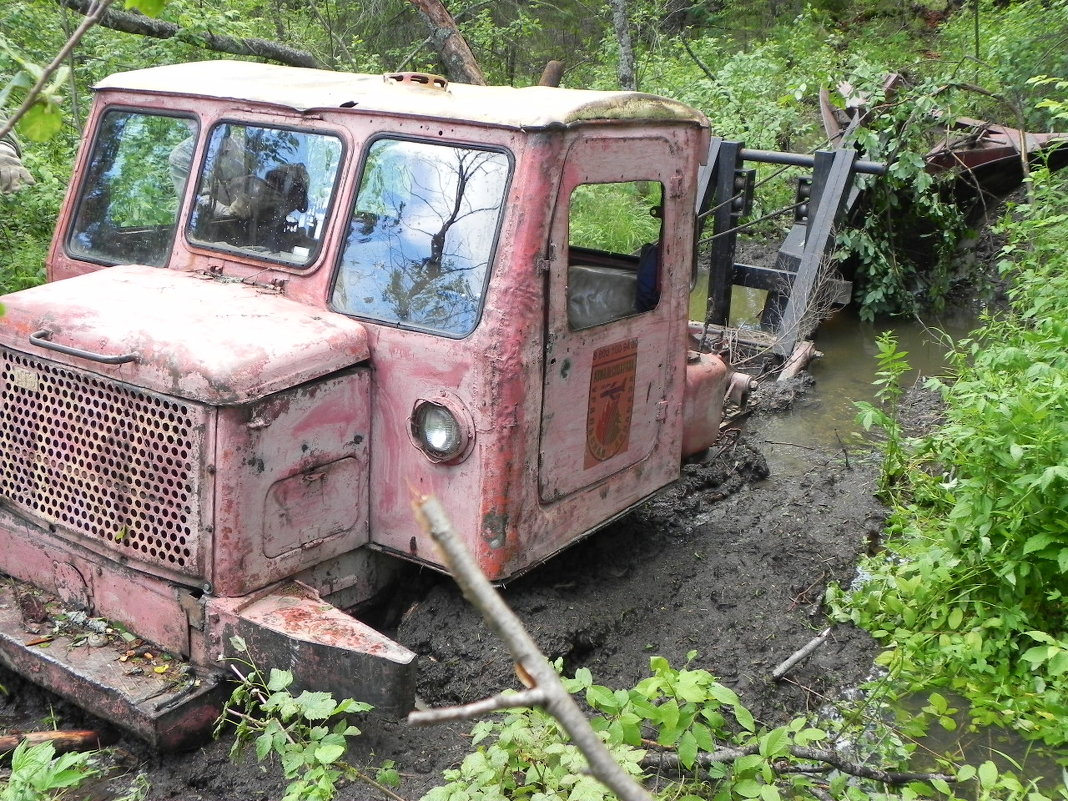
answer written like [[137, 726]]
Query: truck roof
[[304, 89]]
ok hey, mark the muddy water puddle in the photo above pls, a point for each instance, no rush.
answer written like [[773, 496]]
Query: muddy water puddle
[[825, 417], [1004, 747]]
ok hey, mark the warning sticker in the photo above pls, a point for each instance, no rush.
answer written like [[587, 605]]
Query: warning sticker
[[611, 401]]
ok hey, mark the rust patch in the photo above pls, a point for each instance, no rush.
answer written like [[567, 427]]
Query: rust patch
[[494, 528]]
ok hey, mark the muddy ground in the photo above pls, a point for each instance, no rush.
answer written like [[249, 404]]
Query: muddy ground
[[730, 562]]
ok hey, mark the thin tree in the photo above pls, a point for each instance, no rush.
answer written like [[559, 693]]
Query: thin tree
[[621, 25]]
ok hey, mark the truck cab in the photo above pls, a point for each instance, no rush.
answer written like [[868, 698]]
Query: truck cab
[[281, 306]]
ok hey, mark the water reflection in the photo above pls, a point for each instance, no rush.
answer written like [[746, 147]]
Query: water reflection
[[1005, 748], [826, 417]]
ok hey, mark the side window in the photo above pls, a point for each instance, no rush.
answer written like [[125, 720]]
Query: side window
[[422, 235], [614, 241], [263, 192], [128, 204]]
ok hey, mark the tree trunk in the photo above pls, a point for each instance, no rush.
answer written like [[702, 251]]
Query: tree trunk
[[621, 24], [449, 43], [128, 22]]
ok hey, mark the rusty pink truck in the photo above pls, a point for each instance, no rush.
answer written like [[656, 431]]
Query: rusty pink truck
[[282, 301]]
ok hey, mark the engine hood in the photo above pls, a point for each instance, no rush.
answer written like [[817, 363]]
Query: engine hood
[[210, 339]]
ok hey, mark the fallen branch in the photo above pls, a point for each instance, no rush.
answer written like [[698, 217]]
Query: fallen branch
[[801, 654], [532, 666], [804, 352], [62, 741], [835, 760], [477, 709], [127, 22]]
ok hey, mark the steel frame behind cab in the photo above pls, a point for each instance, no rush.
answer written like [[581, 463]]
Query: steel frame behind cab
[[725, 193]]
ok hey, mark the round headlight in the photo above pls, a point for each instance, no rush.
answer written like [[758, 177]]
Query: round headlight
[[438, 432]]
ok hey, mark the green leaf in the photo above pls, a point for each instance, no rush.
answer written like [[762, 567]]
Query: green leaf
[[668, 714], [330, 753], [725, 695], [988, 774], [775, 743], [688, 750], [602, 698], [745, 718], [689, 686], [703, 735], [1037, 542], [316, 705], [151, 8], [956, 616], [748, 788], [41, 121], [810, 735], [1038, 654], [279, 680], [263, 746], [1059, 663]]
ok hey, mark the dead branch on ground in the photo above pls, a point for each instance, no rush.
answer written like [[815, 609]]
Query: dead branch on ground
[[669, 760], [801, 654], [62, 741], [534, 670]]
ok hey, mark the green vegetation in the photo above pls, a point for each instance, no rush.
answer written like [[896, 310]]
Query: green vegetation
[[307, 733], [37, 773], [971, 594], [692, 739]]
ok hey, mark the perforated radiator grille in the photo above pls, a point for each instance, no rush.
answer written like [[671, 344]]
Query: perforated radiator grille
[[104, 461]]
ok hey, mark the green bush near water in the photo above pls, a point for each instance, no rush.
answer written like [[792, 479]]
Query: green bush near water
[[973, 591]]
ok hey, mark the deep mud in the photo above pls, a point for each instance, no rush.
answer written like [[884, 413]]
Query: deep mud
[[730, 562]]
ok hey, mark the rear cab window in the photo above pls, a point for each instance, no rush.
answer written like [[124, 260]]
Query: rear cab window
[[422, 234], [262, 192]]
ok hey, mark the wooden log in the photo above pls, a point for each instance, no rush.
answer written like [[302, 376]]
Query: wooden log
[[62, 741]]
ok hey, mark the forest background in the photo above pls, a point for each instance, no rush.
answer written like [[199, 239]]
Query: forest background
[[969, 594]]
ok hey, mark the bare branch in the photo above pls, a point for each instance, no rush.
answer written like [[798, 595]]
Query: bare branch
[[95, 10], [697, 60], [141, 25], [477, 709], [531, 664], [832, 758], [802, 653]]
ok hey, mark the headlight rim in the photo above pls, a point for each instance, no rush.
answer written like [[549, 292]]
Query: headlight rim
[[464, 430]]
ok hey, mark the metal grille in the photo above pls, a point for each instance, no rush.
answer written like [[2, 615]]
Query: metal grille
[[108, 462]]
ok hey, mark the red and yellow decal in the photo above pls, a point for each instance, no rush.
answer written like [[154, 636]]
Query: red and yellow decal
[[611, 401]]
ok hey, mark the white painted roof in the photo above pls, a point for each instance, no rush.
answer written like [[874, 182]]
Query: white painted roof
[[303, 89]]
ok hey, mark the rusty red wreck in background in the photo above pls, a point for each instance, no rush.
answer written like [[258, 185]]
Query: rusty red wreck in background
[[280, 305]]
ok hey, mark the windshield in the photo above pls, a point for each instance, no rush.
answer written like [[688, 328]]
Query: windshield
[[263, 192], [422, 235], [128, 207]]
